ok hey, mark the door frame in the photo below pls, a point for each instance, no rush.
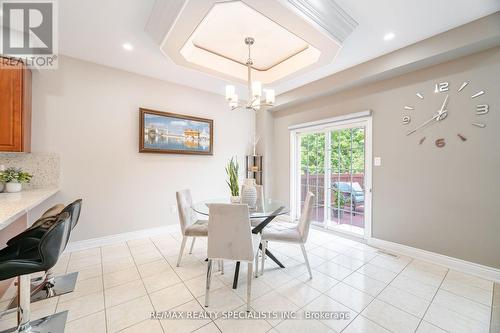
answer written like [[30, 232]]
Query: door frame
[[322, 126]]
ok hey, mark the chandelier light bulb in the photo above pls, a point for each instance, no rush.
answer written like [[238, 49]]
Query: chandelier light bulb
[[229, 92], [233, 101], [270, 97], [256, 89]]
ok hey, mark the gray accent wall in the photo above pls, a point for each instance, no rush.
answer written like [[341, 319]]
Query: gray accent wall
[[444, 200]]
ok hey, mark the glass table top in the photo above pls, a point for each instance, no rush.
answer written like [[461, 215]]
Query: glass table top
[[268, 207]]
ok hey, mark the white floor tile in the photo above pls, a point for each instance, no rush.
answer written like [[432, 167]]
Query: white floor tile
[[334, 270], [146, 326], [327, 304], [302, 326], [123, 293], [391, 317], [82, 306], [364, 283], [95, 323], [404, 301], [463, 306], [170, 297], [414, 287], [451, 321], [364, 325], [348, 262], [350, 296], [461, 287], [426, 327], [377, 273], [298, 292], [186, 325], [222, 299], [319, 281]]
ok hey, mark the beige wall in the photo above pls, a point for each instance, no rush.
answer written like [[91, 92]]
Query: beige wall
[[88, 114], [441, 200]]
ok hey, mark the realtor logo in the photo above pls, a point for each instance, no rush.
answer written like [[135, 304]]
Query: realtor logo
[[29, 32]]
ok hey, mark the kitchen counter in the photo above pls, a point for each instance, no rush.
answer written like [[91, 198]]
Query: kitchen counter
[[14, 205]]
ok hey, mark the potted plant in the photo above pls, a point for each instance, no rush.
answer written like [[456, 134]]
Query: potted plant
[[232, 173], [13, 179], [339, 203]]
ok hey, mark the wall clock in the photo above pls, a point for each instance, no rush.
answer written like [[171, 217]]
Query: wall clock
[[443, 91]]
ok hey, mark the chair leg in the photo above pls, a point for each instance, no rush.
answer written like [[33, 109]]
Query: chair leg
[[192, 246], [209, 277], [264, 248], [183, 244], [304, 253], [222, 267], [256, 260], [249, 285]]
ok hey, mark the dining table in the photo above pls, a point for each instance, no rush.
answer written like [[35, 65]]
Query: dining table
[[265, 211]]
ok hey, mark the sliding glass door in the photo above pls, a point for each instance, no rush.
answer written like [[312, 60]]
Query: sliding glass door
[[332, 162]]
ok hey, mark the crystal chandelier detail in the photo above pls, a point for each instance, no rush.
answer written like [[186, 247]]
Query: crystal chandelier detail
[[254, 89]]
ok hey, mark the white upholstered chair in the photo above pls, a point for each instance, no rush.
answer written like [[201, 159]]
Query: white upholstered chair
[[230, 238], [283, 231], [190, 225]]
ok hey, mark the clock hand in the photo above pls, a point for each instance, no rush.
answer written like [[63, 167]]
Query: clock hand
[[444, 104], [435, 117]]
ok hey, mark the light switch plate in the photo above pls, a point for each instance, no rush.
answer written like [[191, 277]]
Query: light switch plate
[[377, 161]]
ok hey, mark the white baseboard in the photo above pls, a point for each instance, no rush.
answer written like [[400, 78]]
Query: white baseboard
[[485, 272], [118, 238]]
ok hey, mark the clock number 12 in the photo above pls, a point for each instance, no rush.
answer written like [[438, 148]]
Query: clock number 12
[[442, 87]]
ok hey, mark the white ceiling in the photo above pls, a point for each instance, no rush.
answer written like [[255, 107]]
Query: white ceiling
[[95, 30]]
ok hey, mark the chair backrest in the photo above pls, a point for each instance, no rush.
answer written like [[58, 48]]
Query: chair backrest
[[305, 217], [54, 241], [229, 233], [186, 214], [73, 209]]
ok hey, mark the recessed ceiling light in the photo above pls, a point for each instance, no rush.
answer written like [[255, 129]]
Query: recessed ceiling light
[[128, 46], [389, 36]]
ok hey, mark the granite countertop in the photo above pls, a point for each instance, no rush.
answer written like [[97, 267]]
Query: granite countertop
[[13, 205]]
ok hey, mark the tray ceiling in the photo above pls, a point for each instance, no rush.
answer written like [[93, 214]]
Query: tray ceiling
[[210, 38]]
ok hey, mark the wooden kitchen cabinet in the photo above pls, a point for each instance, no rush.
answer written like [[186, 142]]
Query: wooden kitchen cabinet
[[15, 107]]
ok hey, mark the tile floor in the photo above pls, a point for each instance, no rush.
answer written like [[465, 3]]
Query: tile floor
[[119, 285]]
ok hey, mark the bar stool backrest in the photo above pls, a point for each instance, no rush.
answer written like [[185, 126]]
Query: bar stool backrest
[[54, 241]]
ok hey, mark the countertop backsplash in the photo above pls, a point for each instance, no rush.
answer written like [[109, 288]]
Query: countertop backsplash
[[44, 167]]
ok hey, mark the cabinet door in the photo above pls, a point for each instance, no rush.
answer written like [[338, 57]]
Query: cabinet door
[[14, 130]]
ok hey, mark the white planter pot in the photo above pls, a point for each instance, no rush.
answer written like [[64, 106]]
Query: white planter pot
[[235, 199], [13, 187]]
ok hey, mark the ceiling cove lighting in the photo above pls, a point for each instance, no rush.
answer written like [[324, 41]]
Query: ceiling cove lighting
[[254, 89], [389, 36], [128, 46]]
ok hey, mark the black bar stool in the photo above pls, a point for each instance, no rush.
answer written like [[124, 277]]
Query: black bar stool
[[48, 285], [17, 260]]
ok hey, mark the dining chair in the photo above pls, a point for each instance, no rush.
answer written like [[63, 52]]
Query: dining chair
[[230, 238], [191, 226], [290, 232]]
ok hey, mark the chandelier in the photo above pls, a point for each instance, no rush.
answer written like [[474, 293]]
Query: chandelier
[[254, 89]]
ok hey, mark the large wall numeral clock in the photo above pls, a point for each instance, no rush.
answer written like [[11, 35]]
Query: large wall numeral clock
[[443, 91]]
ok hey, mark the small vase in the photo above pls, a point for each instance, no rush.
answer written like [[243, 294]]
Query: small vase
[[235, 199], [249, 193], [13, 187]]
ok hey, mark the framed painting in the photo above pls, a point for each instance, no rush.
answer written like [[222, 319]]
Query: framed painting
[[170, 133]]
